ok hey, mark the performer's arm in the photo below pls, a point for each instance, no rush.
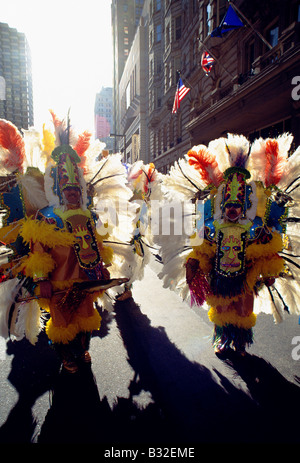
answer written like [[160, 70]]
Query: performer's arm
[[191, 269]]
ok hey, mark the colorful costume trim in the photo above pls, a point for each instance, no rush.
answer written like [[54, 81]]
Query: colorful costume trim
[[65, 334]]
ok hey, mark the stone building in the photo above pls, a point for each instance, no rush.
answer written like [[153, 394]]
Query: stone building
[[253, 87]]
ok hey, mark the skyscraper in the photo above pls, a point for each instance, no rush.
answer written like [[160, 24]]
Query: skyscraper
[[16, 78], [104, 116]]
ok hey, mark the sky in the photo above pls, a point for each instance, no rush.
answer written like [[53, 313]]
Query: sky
[[71, 51]]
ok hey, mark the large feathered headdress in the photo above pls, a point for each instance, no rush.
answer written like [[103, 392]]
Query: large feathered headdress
[[70, 161]]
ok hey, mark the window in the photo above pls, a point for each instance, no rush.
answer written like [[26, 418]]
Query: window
[[167, 73], [249, 55], [151, 68], [221, 11], [193, 52], [208, 19], [151, 39], [178, 28], [127, 96], [168, 35], [158, 33], [273, 36], [154, 145]]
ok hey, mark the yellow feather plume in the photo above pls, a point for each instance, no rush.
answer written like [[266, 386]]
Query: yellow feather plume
[[48, 143], [47, 234]]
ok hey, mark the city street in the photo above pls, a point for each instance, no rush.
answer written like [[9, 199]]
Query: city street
[[154, 380]]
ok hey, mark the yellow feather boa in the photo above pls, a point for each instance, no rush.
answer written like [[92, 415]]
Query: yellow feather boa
[[37, 231], [66, 334], [37, 265], [205, 254], [10, 233], [231, 318], [256, 251]]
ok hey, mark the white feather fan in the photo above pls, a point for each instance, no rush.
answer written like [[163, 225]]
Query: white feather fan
[[33, 190], [182, 183], [27, 321], [8, 292]]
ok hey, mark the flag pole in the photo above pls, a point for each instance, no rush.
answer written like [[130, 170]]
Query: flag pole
[[185, 79], [249, 24]]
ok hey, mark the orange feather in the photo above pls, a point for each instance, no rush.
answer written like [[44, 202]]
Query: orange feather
[[83, 143], [205, 163], [57, 122], [81, 146], [275, 163], [12, 141]]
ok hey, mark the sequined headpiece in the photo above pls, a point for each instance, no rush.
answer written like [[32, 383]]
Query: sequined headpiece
[[66, 159], [235, 188]]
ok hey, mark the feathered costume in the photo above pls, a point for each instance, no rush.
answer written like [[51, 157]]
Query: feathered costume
[[242, 257], [145, 182], [47, 238]]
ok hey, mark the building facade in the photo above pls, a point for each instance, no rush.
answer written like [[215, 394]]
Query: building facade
[[251, 89], [172, 31], [125, 15], [15, 70], [133, 99]]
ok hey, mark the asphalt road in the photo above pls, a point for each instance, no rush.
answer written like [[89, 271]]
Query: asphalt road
[[154, 380]]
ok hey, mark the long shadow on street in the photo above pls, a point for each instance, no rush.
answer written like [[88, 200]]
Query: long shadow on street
[[195, 406], [33, 372], [190, 403]]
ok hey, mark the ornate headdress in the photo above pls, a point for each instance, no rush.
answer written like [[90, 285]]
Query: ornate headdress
[[69, 159], [235, 187]]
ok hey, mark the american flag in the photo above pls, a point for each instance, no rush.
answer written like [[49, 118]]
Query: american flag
[[207, 62], [181, 91]]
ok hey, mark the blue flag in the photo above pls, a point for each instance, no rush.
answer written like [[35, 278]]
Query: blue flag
[[229, 22]]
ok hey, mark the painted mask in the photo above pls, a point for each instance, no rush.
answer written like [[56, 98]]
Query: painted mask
[[86, 247], [231, 250]]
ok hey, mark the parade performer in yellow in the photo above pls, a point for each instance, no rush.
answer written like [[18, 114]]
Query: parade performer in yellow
[[242, 256], [65, 267]]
